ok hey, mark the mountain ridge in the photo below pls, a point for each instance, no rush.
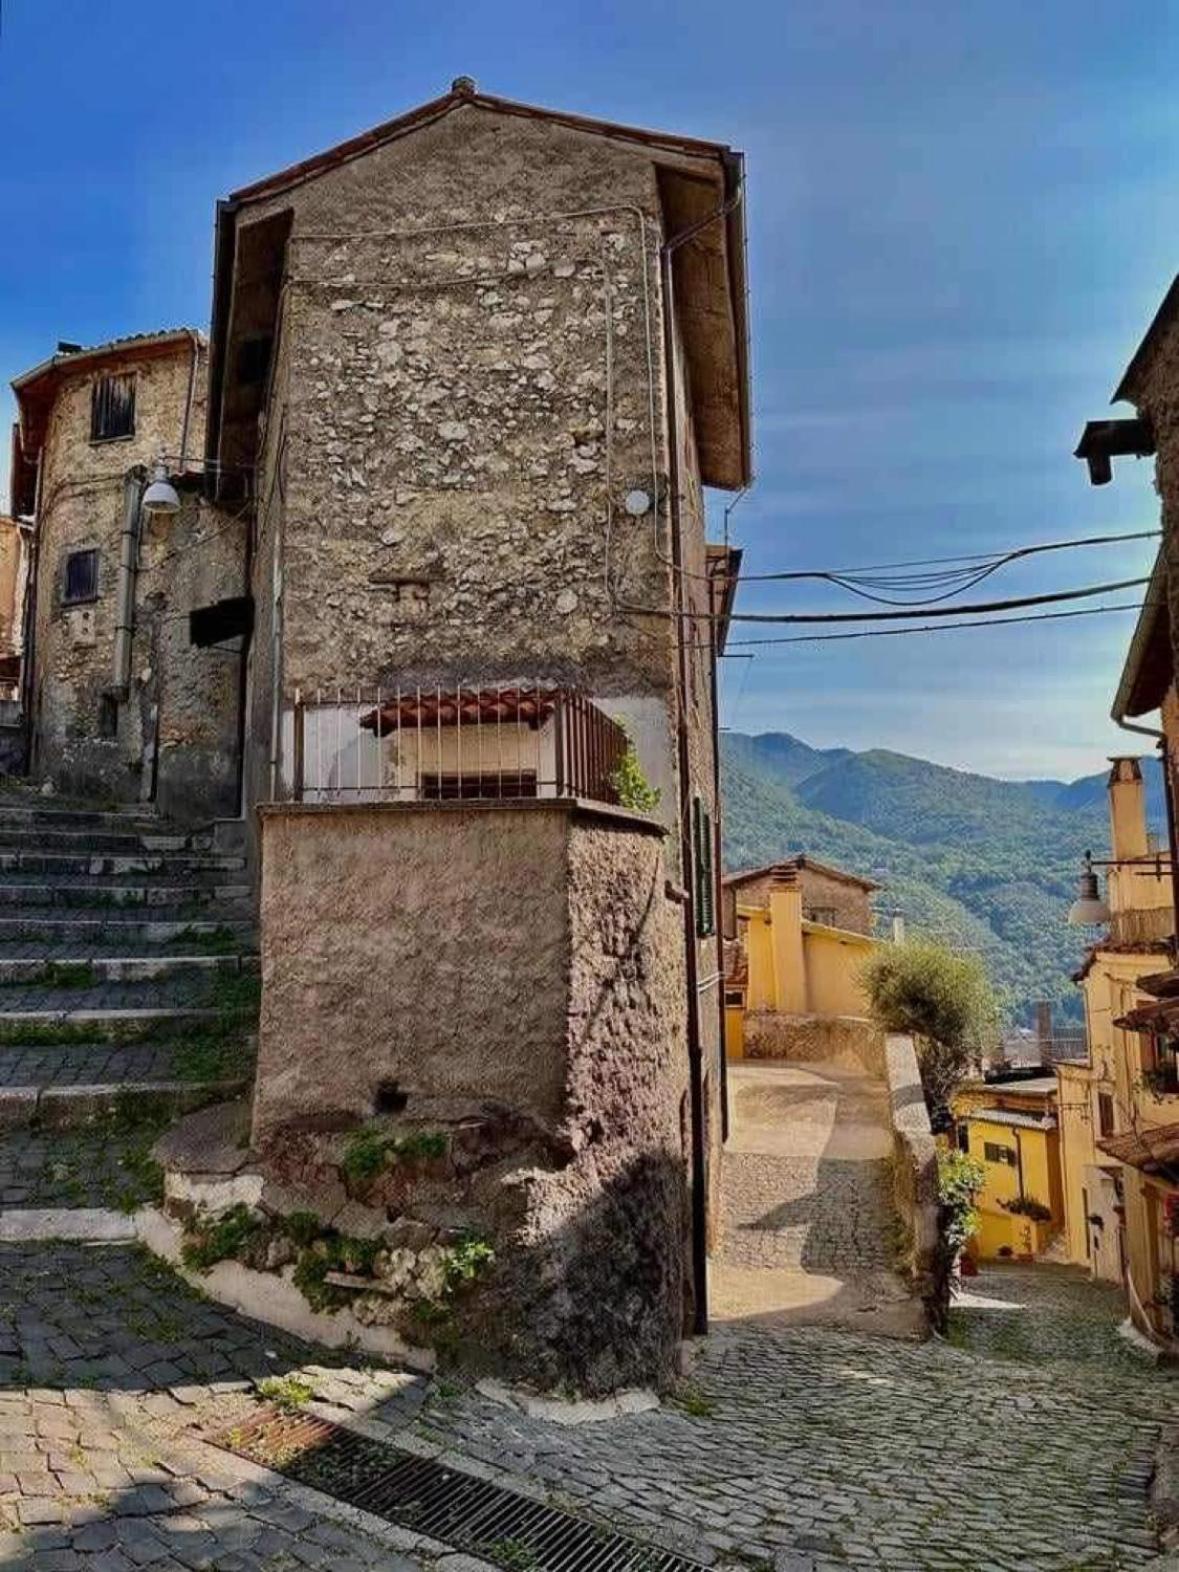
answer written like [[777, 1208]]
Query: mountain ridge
[[985, 864]]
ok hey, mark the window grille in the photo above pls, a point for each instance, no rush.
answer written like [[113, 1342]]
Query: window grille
[[112, 407], [994, 1153], [705, 879], [81, 577]]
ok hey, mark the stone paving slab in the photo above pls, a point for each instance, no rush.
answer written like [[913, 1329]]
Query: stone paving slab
[[104, 1166]]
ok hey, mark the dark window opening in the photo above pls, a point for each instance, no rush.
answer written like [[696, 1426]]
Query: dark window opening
[[112, 408], [737, 1000], [1105, 1113], [705, 880], [491, 787], [825, 915], [389, 1098], [81, 577], [964, 1138], [253, 360], [994, 1153], [108, 716]]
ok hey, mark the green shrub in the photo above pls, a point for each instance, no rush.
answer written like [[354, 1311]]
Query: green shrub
[[633, 789], [942, 1000], [960, 1180], [466, 1261], [369, 1151], [1024, 1206]]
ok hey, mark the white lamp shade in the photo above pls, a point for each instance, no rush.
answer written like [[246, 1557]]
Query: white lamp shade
[[1088, 910], [161, 496]]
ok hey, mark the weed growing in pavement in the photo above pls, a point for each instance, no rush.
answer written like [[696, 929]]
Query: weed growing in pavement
[[289, 1392]]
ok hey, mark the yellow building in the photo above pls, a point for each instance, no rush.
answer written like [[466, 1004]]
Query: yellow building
[[1120, 1110], [799, 932], [1008, 1122]]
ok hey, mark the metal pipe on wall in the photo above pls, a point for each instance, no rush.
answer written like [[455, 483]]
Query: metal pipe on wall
[[133, 483]]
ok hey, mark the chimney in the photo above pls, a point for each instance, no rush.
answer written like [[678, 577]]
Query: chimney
[[1127, 809]]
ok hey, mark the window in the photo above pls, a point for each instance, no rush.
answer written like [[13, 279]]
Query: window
[[964, 1138], [1105, 1113], [498, 784], [823, 914], [705, 879], [81, 577], [999, 1154], [112, 408]]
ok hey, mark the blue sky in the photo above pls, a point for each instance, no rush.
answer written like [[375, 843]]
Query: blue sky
[[961, 220]]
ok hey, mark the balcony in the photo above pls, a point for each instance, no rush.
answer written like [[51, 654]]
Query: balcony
[[501, 743]]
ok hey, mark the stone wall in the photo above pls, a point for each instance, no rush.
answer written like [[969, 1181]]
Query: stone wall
[[770, 1034], [915, 1175], [824, 899], [518, 968]]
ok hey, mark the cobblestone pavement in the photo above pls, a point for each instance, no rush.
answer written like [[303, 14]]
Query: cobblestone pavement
[[96, 1166], [793, 1449], [819, 1215], [811, 1447], [110, 1372]]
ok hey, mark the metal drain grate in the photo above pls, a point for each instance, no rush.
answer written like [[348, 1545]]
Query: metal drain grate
[[509, 1530]]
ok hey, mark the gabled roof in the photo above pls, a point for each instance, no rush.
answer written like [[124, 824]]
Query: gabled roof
[[1131, 384], [792, 865], [705, 252], [464, 91], [36, 389]]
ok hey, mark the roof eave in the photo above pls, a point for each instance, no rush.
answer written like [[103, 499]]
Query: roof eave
[[1129, 388], [1130, 698]]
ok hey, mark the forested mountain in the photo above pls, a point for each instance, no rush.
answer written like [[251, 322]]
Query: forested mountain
[[985, 864]]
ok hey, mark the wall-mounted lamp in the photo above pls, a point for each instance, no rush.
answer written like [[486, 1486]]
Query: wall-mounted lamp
[[1088, 910], [161, 497]]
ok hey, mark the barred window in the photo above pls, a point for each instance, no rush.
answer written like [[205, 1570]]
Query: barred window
[[993, 1153], [112, 407], [705, 876], [81, 577]]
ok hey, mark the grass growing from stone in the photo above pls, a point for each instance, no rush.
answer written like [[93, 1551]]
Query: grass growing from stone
[[289, 1392], [215, 941], [372, 1149]]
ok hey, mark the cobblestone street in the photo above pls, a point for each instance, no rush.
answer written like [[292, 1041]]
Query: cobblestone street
[[1024, 1442]]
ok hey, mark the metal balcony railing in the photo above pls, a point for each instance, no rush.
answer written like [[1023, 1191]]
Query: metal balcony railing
[[507, 742]]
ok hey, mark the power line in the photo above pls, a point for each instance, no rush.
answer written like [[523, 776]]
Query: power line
[[974, 562], [943, 611], [939, 627]]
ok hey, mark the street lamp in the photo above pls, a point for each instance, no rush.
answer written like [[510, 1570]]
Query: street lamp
[[161, 497], [1088, 910]]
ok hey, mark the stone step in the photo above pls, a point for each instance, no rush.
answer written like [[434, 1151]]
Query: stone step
[[126, 842], [197, 1061], [15, 891], [74, 970], [114, 932], [80, 1105], [105, 864], [122, 1023], [135, 817]]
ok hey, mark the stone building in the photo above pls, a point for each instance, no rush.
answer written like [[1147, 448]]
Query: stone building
[[119, 700], [473, 371], [435, 611]]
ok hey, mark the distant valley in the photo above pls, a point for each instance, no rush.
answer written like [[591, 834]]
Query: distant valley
[[984, 864]]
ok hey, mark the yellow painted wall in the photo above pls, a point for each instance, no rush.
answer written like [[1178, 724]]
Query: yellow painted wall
[[759, 949], [832, 958], [1034, 1172], [734, 1031]]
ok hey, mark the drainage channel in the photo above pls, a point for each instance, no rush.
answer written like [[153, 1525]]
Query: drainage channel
[[510, 1531]]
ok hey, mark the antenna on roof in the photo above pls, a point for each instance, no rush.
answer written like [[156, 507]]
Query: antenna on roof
[[64, 347]]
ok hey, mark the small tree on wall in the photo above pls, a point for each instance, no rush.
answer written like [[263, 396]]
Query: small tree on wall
[[943, 1001]]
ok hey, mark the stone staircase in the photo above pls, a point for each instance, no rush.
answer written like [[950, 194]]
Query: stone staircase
[[128, 988]]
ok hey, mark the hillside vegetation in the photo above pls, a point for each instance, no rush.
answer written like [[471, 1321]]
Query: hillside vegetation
[[985, 865]]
